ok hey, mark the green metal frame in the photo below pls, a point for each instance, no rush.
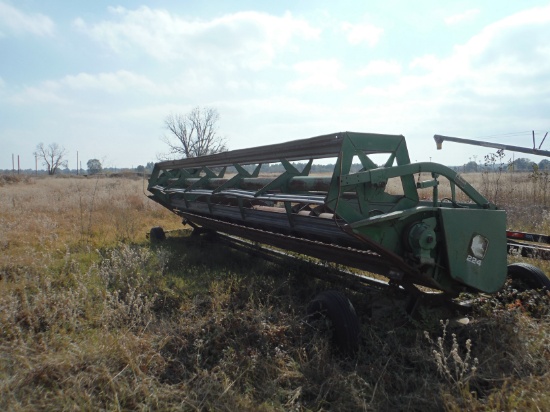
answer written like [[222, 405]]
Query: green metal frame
[[427, 242]]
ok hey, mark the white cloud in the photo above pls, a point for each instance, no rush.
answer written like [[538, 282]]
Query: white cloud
[[46, 93], [498, 80], [362, 33], [112, 83], [380, 67], [73, 88], [427, 62], [243, 39], [461, 17], [508, 57], [15, 21], [317, 74]]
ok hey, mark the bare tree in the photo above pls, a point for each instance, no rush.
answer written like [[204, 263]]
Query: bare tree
[[195, 133], [52, 156]]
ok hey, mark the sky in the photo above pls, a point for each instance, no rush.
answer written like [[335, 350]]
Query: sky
[[100, 77]]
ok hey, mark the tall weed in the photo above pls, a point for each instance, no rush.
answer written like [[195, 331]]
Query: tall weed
[[455, 367]]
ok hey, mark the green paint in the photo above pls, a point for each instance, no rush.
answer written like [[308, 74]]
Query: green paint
[[436, 240]]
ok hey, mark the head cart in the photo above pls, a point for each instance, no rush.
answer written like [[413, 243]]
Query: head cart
[[351, 217]]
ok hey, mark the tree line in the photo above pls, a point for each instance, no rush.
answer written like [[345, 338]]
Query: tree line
[[196, 134], [521, 164]]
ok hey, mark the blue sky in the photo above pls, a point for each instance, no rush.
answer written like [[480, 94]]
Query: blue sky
[[100, 77]]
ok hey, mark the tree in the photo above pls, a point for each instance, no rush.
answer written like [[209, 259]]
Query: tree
[[195, 133], [471, 166], [544, 164], [52, 156], [94, 166], [522, 164]]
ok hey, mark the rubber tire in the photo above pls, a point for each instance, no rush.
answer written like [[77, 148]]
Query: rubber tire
[[156, 234], [337, 308], [530, 276]]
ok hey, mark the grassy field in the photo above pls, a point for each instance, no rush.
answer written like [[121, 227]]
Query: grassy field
[[94, 317]]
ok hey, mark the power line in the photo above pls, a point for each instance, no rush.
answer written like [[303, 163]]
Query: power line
[[511, 134]]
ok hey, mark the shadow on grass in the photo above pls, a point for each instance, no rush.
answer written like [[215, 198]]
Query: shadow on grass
[[241, 321]]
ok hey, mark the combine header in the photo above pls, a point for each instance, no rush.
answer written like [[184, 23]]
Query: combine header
[[351, 217]]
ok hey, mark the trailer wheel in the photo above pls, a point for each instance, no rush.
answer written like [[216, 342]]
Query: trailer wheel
[[156, 234], [525, 276], [343, 322]]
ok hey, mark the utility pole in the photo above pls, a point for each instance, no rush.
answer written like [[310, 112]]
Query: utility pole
[[18, 165]]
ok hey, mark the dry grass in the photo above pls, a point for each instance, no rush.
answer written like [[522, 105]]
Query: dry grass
[[93, 317], [43, 215]]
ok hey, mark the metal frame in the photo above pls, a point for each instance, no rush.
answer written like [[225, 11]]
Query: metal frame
[[408, 240]]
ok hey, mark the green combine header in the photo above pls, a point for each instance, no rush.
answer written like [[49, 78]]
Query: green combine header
[[371, 219], [349, 217]]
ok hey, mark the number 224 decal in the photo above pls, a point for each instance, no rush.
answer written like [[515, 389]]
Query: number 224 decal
[[473, 260]]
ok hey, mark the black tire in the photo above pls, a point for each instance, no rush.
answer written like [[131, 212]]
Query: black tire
[[525, 276], [156, 234], [344, 323]]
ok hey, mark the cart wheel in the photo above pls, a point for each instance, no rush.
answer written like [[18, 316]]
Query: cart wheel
[[156, 234], [344, 323], [525, 276]]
